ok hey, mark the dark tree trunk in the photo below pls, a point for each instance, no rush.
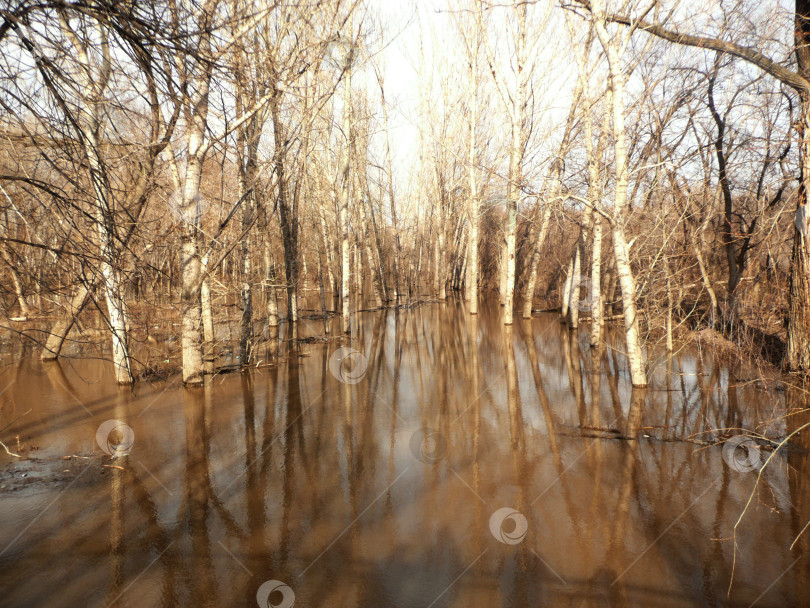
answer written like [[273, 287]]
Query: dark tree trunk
[[798, 335]]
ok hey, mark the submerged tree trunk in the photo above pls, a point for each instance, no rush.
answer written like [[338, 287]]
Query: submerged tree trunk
[[379, 256], [287, 210], [565, 301], [376, 273], [117, 319], [635, 355], [798, 335], [207, 308], [472, 248], [344, 200], [594, 154], [727, 233], [248, 135], [502, 263], [441, 254], [556, 172], [597, 300], [621, 250], [191, 283], [518, 148], [93, 79], [395, 259], [60, 330], [670, 305], [329, 252], [576, 285], [798, 330], [534, 261], [195, 103], [191, 280], [270, 278], [110, 276], [246, 334]]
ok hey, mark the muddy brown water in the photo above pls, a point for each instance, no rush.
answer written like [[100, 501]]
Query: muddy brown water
[[452, 463]]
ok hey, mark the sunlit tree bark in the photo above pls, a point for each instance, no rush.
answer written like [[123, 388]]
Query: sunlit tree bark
[[516, 153], [614, 47], [798, 331], [92, 84], [345, 296]]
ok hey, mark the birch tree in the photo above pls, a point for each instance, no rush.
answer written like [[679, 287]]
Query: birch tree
[[614, 47], [516, 104], [798, 330], [472, 36], [193, 69], [79, 84], [347, 46]]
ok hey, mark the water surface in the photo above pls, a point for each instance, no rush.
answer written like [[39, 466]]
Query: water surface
[[391, 490]]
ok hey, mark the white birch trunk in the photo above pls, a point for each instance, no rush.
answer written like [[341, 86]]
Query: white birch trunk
[[555, 178], [329, 251], [621, 251], [344, 200], [190, 294], [597, 316], [566, 292], [594, 155], [472, 248], [502, 263], [270, 277], [574, 290], [93, 89], [534, 263], [397, 243], [207, 314]]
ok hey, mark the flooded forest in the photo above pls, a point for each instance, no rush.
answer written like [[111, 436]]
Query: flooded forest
[[421, 304]]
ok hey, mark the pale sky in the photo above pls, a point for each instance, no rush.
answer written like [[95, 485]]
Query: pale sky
[[422, 54]]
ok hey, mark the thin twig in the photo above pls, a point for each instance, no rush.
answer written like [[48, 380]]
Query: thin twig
[[15, 420]]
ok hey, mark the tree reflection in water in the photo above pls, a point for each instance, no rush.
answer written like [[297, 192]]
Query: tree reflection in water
[[287, 474]]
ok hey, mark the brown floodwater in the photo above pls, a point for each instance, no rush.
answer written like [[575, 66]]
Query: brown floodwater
[[451, 462]]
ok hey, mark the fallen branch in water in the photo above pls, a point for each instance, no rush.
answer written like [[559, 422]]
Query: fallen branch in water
[[9, 452], [5, 447]]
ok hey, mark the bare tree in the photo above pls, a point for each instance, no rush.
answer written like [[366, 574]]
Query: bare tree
[[798, 331], [614, 48]]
